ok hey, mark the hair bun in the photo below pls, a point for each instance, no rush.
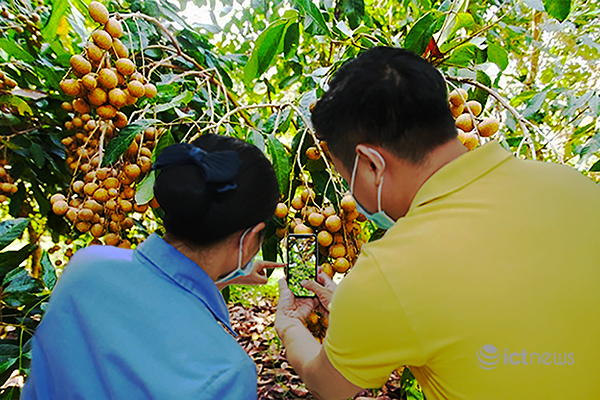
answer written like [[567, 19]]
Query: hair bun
[[182, 191]]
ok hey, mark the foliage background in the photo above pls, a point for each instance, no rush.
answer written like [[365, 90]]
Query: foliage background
[[250, 69]]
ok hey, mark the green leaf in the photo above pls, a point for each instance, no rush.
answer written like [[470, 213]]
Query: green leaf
[[281, 162], [535, 104], [38, 155], [19, 281], [595, 167], [178, 101], [313, 16], [118, 145], [166, 139], [418, 37], [145, 189], [479, 94], [264, 50], [352, 10], [59, 12], [9, 260], [48, 271], [16, 201], [9, 354], [16, 51], [498, 55], [558, 9], [291, 40], [12, 229]]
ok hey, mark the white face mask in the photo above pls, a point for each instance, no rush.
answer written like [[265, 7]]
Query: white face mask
[[380, 218], [239, 271]]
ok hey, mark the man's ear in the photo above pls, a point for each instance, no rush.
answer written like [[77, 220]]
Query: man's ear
[[375, 160], [255, 235]]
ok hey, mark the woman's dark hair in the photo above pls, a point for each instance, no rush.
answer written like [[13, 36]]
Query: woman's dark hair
[[389, 97], [199, 214]]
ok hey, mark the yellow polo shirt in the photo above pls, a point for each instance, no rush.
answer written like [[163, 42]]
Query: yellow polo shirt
[[489, 287]]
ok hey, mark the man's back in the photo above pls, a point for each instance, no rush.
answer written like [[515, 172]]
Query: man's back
[[486, 288]]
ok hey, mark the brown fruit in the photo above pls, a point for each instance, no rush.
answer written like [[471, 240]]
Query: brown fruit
[[132, 171], [90, 188], [111, 204], [341, 265], [78, 186], [125, 205], [297, 203], [465, 122], [328, 269], [77, 122], [120, 120], [120, 49], [281, 210], [108, 78], [56, 197], [98, 12], [67, 106], [120, 77], [60, 207], [81, 106], [145, 163], [146, 152], [102, 174], [97, 230], [83, 226], [457, 110], [312, 153], [97, 97], [469, 140], [71, 214], [316, 219], [488, 127], [150, 90], [89, 81], [324, 238], [93, 205], [337, 251], [474, 106], [130, 99], [125, 66], [101, 195], [138, 77], [117, 98], [106, 111], [80, 64], [85, 214], [127, 223], [154, 203], [111, 183], [301, 228], [70, 87], [458, 97], [348, 203], [128, 192], [94, 52], [125, 244], [333, 223], [328, 211], [307, 194], [102, 39], [111, 239], [140, 208], [90, 125], [113, 192], [114, 27], [150, 133], [86, 117], [136, 88]]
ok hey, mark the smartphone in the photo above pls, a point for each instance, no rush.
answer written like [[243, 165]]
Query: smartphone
[[302, 262]]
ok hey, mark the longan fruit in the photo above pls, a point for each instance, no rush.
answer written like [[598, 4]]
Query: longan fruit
[[154, 203], [97, 230], [136, 88], [111, 183], [98, 12], [125, 244], [341, 265], [348, 203], [55, 197], [114, 28], [301, 228], [90, 125], [111, 204], [315, 219], [132, 171], [328, 269], [113, 192], [474, 106], [71, 214], [312, 153], [297, 203], [102, 39], [125, 205], [111, 239], [127, 193], [307, 194], [469, 140], [75, 202], [457, 110], [89, 177], [108, 78], [138, 77], [150, 133], [78, 186], [324, 238], [337, 251], [97, 97], [80, 64], [125, 66], [146, 152], [120, 49], [85, 214], [101, 195], [106, 111], [145, 163], [117, 98], [458, 97], [127, 223], [94, 52], [120, 120], [90, 188], [328, 211], [67, 106], [77, 122], [70, 87], [60, 207], [83, 226], [465, 122], [150, 90], [488, 127], [333, 223], [281, 210], [140, 208]]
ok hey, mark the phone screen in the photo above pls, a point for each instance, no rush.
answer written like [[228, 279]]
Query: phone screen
[[302, 262]]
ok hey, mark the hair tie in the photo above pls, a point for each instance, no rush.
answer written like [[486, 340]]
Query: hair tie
[[218, 167]]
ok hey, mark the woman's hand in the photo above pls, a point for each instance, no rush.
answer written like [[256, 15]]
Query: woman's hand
[[325, 290], [291, 310]]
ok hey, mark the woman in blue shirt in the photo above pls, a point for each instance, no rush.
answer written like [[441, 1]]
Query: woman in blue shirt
[[150, 323]]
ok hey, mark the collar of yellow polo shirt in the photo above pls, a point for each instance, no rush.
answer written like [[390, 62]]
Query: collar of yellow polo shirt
[[487, 288]]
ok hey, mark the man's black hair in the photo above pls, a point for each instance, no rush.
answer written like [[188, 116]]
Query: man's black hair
[[389, 97]]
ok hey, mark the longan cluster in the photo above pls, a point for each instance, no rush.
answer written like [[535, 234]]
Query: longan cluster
[[21, 23], [337, 233], [101, 202], [317, 324], [469, 125], [7, 185], [105, 79], [6, 82]]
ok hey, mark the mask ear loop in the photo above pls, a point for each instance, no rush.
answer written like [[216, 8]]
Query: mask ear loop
[[354, 173], [242, 247], [376, 153]]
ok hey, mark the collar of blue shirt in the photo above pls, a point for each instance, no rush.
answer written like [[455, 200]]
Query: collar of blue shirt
[[186, 274]]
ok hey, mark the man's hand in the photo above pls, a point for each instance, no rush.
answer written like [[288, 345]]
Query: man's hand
[[258, 275], [290, 310], [324, 291]]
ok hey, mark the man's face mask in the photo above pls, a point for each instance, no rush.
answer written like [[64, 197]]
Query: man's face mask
[[380, 218], [239, 271]]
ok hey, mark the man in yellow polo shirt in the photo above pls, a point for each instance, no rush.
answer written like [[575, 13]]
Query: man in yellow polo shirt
[[486, 283]]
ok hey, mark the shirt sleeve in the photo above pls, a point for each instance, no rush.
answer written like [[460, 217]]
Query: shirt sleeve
[[369, 335]]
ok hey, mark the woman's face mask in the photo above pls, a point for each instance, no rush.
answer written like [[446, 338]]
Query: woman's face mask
[[239, 271], [380, 218]]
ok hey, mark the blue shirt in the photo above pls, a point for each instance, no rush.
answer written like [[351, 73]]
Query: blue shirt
[[137, 324]]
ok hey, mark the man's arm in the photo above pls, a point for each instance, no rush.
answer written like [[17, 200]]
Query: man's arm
[[305, 353]]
